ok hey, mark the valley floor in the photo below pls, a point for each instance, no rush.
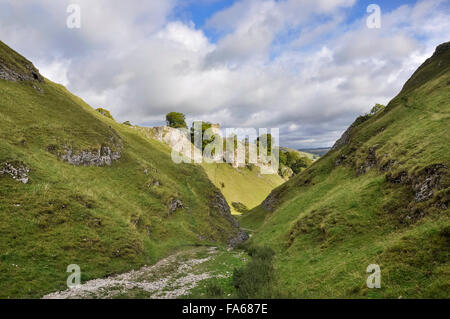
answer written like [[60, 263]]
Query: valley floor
[[184, 274]]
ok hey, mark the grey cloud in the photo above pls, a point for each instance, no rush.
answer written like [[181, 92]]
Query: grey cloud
[[137, 62]]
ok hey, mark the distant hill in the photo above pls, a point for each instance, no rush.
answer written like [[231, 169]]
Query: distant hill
[[379, 196], [317, 152], [301, 152]]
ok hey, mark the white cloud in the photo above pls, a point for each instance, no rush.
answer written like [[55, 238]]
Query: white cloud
[[140, 63], [55, 70]]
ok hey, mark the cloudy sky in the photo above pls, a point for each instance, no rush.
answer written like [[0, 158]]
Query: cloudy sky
[[307, 67]]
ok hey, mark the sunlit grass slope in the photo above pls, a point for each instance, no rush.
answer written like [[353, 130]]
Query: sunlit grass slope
[[380, 197], [106, 219], [242, 185]]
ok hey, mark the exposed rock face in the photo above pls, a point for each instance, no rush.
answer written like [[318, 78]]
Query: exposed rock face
[[99, 157], [400, 178], [222, 207], [270, 201], [347, 135], [17, 170], [175, 138], [424, 184], [370, 162], [340, 159], [174, 205], [30, 73], [344, 139]]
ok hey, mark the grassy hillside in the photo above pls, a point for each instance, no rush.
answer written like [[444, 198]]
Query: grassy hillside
[[380, 196], [315, 152], [131, 207], [242, 185], [309, 155]]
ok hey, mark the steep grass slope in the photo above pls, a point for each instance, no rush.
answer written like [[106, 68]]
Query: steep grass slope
[[79, 188], [380, 196], [242, 185]]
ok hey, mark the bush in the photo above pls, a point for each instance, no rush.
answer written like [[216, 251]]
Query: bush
[[377, 108], [105, 112], [127, 123]]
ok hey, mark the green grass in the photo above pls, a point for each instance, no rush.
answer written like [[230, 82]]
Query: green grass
[[243, 185], [105, 219], [222, 267], [329, 223]]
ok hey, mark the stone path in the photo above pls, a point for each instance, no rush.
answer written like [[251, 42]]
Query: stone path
[[171, 277]]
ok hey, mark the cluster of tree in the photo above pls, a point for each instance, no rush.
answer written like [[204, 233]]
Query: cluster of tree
[[176, 120], [294, 161], [205, 126], [291, 159]]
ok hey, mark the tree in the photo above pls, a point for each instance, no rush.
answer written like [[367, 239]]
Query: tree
[[176, 120], [127, 123]]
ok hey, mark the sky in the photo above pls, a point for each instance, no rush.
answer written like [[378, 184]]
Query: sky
[[307, 67]]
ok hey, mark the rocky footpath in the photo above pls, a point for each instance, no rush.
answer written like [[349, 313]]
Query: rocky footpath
[[169, 278]]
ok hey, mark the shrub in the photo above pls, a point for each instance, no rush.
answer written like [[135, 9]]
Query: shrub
[[377, 108], [127, 123], [105, 112]]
